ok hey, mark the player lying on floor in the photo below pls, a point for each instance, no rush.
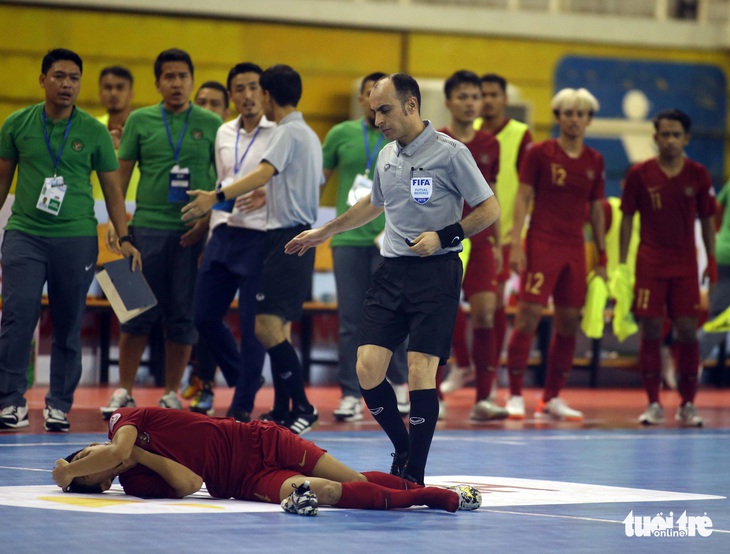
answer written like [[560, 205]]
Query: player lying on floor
[[160, 453]]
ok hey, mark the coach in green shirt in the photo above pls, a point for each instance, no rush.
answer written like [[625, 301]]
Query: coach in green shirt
[[174, 144], [51, 235]]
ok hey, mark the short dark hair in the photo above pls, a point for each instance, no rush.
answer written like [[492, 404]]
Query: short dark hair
[[494, 78], [283, 83], [376, 76], [76, 487], [57, 55], [405, 87], [245, 67], [117, 71], [217, 86], [674, 115], [461, 77], [172, 55]]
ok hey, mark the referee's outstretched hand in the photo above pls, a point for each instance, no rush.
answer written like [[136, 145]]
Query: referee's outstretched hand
[[304, 241]]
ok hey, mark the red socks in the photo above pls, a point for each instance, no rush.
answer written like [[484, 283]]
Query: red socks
[[518, 353], [650, 362], [485, 361], [560, 362], [369, 496], [688, 361]]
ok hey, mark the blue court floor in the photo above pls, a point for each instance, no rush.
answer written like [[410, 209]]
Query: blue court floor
[[544, 491]]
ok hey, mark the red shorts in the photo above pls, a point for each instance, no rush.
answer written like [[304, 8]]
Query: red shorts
[[679, 295], [276, 455], [480, 275], [506, 273], [554, 269]]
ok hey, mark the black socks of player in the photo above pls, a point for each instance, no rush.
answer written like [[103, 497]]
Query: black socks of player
[[422, 424], [286, 371], [381, 402]]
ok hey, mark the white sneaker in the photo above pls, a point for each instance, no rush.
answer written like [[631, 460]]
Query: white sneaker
[[55, 420], [469, 497], [442, 409], [402, 396], [653, 415], [484, 410], [120, 399], [687, 414], [515, 407], [457, 378], [170, 400], [350, 409], [14, 417], [556, 408]]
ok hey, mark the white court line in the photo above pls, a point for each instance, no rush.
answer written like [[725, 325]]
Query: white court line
[[575, 518], [46, 444], [27, 469]]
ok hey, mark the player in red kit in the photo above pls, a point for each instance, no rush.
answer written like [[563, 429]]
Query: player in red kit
[[464, 101], [669, 192], [564, 178], [158, 453]]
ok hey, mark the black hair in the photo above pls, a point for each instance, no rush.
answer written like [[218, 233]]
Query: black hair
[[57, 55], [172, 55], [246, 67], [405, 88], [78, 488], [217, 86], [117, 71], [674, 115], [283, 83], [494, 78], [376, 76], [459, 78]]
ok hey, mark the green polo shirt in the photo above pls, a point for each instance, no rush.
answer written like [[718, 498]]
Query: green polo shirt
[[344, 150], [87, 148], [145, 141]]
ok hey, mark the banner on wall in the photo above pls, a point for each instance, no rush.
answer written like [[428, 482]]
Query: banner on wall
[[632, 92]]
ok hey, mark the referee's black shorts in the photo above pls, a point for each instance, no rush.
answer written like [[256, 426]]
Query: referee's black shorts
[[286, 279], [416, 298]]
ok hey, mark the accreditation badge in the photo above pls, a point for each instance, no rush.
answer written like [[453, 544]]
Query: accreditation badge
[[421, 188], [52, 195], [361, 187], [179, 185]]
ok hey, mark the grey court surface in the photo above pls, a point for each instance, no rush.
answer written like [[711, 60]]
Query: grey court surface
[[544, 491]]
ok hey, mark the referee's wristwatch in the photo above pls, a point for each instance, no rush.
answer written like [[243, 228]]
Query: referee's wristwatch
[[126, 238]]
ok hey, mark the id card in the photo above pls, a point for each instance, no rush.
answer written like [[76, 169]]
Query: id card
[[179, 185], [226, 206], [361, 187], [52, 195]]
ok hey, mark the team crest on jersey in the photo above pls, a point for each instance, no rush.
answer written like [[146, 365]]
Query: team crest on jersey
[[689, 192], [591, 174], [484, 159], [113, 420], [421, 189], [77, 145], [197, 134]]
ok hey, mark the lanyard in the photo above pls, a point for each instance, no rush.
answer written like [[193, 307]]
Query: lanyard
[[176, 151], [370, 158], [236, 162], [57, 159]]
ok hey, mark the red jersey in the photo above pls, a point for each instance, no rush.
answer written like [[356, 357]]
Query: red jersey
[[484, 149], [668, 207], [563, 188], [209, 446]]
